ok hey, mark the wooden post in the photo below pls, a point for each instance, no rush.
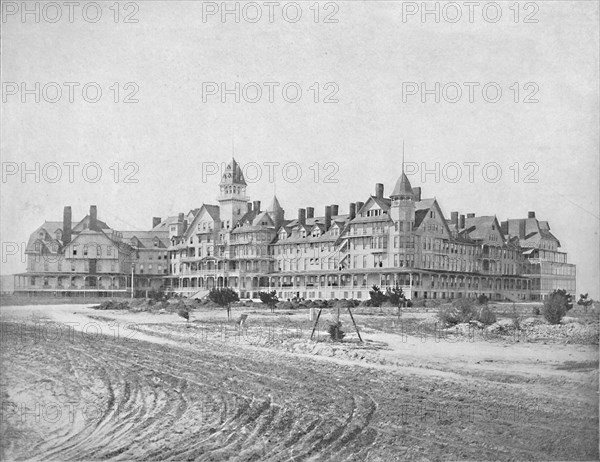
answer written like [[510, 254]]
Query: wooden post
[[316, 321], [353, 322]]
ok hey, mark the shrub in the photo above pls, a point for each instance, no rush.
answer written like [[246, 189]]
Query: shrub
[[486, 316], [449, 316], [377, 296], [482, 299], [269, 298], [335, 331], [463, 310], [555, 307], [184, 313], [536, 310]]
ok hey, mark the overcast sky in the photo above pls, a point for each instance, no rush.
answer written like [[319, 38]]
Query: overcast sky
[[363, 64]]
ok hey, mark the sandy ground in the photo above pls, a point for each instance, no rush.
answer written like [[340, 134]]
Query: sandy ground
[[81, 384]]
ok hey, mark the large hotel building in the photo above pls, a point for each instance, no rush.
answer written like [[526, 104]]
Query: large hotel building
[[403, 239]]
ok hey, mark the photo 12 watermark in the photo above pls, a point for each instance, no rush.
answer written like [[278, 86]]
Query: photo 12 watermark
[[69, 92], [69, 172], [470, 12], [270, 92], [318, 12], [470, 92], [70, 12], [472, 172], [272, 172]]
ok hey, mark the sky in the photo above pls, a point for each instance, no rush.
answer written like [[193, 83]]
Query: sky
[[516, 105]]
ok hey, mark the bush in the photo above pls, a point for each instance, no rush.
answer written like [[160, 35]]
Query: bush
[[184, 313], [463, 311], [486, 316], [335, 331], [555, 307], [377, 296], [536, 310], [482, 299]]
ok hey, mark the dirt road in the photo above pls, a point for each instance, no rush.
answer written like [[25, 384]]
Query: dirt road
[[154, 397]]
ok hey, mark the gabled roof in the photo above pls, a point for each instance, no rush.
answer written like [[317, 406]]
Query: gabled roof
[[145, 239], [529, 231], [421, 209], [213, 210], [86, 220], [262, 217], [479, 228], [164, 225], [248, 217]]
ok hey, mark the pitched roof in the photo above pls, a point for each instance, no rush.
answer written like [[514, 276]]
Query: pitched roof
[[261, 218], [146, 238], [275, 205], [233, 174], [403, 187], [213, 210], [479, 228]]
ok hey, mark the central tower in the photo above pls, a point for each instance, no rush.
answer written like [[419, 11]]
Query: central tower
[[232, 199]]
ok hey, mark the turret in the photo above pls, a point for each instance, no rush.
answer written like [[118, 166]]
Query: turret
[[403, 201]]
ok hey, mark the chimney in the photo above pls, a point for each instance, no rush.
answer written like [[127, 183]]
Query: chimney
[[156, 221], [93, 218], [454, 218], [302, 216], [417, 193], [66, 236], [379, 191], [249, 205], [531, 215], [257, 206], [334, 210], [470, 215], [327, 217], [359, 205], [352, 211], [310, 212], [180, 218], [461, 225]]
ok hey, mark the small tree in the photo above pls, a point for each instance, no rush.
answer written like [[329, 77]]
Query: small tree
[[482, 299], [224, 297], [567, 296], [335, 331], [185, 314], [584, 301], [377, 296], [396, 297], [269, 298], [556, 306]]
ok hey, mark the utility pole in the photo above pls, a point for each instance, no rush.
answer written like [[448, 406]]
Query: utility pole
[[132, 267]]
